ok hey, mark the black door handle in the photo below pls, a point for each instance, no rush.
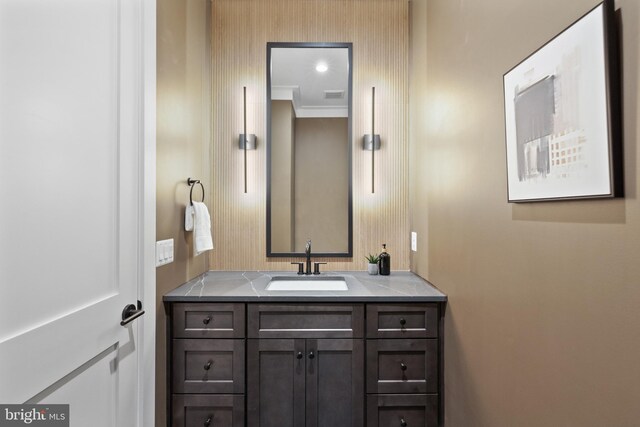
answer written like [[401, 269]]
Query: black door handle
[[403, 366], [208, 365], [403, 423], [207, 422], [299, 355], [131, 313], [311, 355]]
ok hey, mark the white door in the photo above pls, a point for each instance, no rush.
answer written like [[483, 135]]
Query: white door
[[74, 197]]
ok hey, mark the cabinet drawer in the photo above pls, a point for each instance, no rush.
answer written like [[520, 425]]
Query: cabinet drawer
[[395, 410], [305, 321], [208, 320], [197, 410], [402, 321], [402, 366], [208, 366]]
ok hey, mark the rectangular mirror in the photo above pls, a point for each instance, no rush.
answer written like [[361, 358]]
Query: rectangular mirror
[[309, 149]]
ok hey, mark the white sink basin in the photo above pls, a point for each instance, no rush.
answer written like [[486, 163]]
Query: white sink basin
[[306, 284]]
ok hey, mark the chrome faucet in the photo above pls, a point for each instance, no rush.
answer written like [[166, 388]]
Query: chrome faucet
[[307, 251]]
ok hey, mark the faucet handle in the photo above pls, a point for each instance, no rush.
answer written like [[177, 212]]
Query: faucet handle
[[300, 267], [316, 267]]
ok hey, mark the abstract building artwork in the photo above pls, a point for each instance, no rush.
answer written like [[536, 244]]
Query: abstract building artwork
[[561, 115]]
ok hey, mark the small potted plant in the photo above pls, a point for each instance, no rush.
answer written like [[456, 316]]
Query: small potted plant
[[372, 268]]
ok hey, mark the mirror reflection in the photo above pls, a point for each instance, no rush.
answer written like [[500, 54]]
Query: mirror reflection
[[309, 149]]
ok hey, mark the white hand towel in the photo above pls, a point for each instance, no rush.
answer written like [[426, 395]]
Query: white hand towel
[[202, 240], [188, 218]]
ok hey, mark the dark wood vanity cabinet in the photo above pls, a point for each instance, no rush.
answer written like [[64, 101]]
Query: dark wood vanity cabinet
[[306, 365]]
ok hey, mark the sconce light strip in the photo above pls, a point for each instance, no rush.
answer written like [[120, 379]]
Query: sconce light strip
[[244, 134], [373, 138]]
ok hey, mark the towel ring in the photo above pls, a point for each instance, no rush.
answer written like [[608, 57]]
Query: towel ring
[[192, 183]]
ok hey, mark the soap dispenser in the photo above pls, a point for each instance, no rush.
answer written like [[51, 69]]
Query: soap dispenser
[[384, 262]]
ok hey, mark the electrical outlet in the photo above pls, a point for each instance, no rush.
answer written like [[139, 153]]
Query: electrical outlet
[[414, 241], [164, 252]]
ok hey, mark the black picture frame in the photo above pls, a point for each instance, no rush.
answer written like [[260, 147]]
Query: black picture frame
[[563, 115]]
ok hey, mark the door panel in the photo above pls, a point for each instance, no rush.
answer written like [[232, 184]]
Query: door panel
[[100, 403], [44, 356], [58, 127], [71, 144], [276, 382]]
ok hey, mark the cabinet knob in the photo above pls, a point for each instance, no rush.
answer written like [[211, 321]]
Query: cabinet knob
[[311, 355], [207, 422], [403, 321], [403, 366], [299, 355], [403, 423], [208, 365], [206, 320]]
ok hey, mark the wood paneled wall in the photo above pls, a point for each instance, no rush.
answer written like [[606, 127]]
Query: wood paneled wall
[[378, 30]]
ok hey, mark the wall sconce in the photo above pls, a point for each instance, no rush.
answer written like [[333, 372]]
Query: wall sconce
[[245, 142], [371, 142]]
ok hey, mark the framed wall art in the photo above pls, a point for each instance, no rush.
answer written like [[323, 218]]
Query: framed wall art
[[562, 115]]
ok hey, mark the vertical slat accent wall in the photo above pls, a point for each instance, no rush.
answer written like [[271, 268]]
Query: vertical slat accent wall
[[379, 32]]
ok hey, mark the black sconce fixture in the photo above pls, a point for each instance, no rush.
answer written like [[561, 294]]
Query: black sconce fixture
[[245, 142], [371, 142]]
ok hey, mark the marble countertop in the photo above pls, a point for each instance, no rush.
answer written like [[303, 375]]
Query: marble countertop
[[239, 286]]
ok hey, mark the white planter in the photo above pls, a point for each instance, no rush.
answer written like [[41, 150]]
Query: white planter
[[372, 269]]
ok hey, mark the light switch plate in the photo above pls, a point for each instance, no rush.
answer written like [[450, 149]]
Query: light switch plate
[[414, 241], [164, 252]]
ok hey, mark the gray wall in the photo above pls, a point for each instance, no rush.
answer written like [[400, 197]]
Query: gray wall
[[543, 326]]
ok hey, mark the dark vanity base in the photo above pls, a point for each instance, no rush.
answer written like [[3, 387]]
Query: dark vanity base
[[306, 364]]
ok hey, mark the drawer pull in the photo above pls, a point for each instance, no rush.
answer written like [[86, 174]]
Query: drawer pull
[[403, 321], [403, 423], [403, 366], [206, 320], [311, 355], [207, 422], [208, 365], [299, 355]]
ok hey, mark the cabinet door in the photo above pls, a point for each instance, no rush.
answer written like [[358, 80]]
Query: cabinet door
[[335, 383], [275, 382]]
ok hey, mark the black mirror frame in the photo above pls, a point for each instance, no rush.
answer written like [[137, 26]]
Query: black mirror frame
[[349, 47]]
